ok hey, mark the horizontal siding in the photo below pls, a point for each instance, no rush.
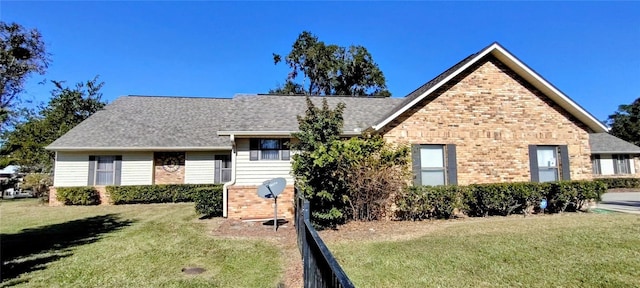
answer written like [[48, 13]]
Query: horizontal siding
[[71, 169], [199, 168], [256, 172], [137, 168]]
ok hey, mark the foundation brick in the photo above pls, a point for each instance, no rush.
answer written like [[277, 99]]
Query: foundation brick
[[244, 203]]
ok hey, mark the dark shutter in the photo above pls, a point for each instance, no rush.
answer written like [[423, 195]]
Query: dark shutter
[[533, 163], [596, 164], [415, 164], [254, 148], [452, 168], [285, 152], [616, 161], [217, 178], [92, 170], [564, 161], [117, 170]]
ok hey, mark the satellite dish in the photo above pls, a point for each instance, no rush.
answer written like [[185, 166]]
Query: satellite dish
[[272, 188]]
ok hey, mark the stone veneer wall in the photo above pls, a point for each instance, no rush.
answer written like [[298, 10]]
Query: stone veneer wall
[[244, 203], [492, 115], [166, 173]]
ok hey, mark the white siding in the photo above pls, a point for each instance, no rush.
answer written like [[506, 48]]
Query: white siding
[[71, 169], [199, 168], [256, 172], [137, 168], [633, 165]]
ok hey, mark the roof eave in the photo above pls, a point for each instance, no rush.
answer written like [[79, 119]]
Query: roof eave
[[150, 148], [272, 133], [521, 69]]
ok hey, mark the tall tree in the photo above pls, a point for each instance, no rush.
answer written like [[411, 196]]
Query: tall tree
[[625, 123], [330, 70], [22, 53], [67, 107]]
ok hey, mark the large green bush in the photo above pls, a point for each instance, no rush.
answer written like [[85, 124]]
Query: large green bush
[[501, 198], [209, 201], [155, 193], [78, 195], [423, 202], [573, 195], [613, 183]]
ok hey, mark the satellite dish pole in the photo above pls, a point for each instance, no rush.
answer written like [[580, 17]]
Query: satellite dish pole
[[275, 209], [271, 189]]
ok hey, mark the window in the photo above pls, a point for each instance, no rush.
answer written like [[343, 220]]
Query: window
[[269, 149], [621, 164], [104, 170], [222, 168], [549, 163], [434, 164], [595, 163]]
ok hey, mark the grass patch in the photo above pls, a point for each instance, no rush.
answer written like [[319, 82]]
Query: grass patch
[[125, 246], [577, 250]]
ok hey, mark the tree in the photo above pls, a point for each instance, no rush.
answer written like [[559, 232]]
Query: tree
[[330, 70], [344, 179], [625, 123], [22, 53], [67, 107]]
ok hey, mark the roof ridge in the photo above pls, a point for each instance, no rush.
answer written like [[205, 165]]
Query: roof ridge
[[176, 97]]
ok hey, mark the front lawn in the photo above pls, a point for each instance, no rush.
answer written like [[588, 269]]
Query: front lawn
[[126, 246], [570, 250]]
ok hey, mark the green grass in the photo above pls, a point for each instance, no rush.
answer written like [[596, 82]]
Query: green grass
[[125, 246], [571, 250]]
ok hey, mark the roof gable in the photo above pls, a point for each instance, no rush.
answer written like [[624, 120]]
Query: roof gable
[[605, 143], [514, 64]]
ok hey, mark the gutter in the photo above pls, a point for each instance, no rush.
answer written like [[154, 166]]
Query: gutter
[[225, 187]]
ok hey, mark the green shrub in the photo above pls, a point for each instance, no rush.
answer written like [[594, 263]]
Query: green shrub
[[209, 201], [501, 198], [620, 182], [573, 195], [423, 202], [78, 195], [155, 193]]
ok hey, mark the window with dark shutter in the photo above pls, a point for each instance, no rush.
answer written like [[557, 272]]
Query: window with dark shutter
[[269, 149], [434, 164]]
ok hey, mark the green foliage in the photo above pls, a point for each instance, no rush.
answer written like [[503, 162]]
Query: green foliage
[[38, 183], [330, 69], [208, 201], [344, 179], [22, 53], [156, 193], [625, 123], [66, 109], [480, 200], [78, 195], [620, 182], [425, 202]]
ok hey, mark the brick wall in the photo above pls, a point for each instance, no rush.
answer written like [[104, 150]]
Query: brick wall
[[492, 115], [244, 203], [168, 167]]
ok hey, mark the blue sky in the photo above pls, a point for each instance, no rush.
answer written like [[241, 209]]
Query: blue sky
[[589, 50]]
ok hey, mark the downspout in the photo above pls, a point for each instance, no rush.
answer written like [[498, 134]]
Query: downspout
[[225, 187]]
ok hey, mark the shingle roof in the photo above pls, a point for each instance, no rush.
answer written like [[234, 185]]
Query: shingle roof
[[144, 122], [605, 143]]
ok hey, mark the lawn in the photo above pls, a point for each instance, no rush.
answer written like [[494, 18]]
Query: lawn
[[571, 250], [126, 246]]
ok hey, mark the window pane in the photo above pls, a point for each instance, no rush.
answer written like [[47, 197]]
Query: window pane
[[270, 154], [548, 174], [433, 178], [269, 144], [432, 156], [104, 178], [547, 157], [105, 162]]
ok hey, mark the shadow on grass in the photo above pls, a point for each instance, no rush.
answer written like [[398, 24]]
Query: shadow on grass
[[32, 249]]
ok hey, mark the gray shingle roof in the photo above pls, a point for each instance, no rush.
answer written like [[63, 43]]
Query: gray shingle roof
[[605, 143], [139, 122]]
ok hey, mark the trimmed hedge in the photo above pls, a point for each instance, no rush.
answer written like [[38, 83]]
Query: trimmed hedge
[[78, 195], [479, 200], [209, 201], [156, 193], [620, 182]]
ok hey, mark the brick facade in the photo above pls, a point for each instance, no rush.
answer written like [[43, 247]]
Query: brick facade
[[244, 203], [168, 167], [492, 115]]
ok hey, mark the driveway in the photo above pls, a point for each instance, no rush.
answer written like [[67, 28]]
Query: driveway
[[628, 202]]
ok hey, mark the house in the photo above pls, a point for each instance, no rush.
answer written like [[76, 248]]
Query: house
[[613, 157], [489, 118]]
